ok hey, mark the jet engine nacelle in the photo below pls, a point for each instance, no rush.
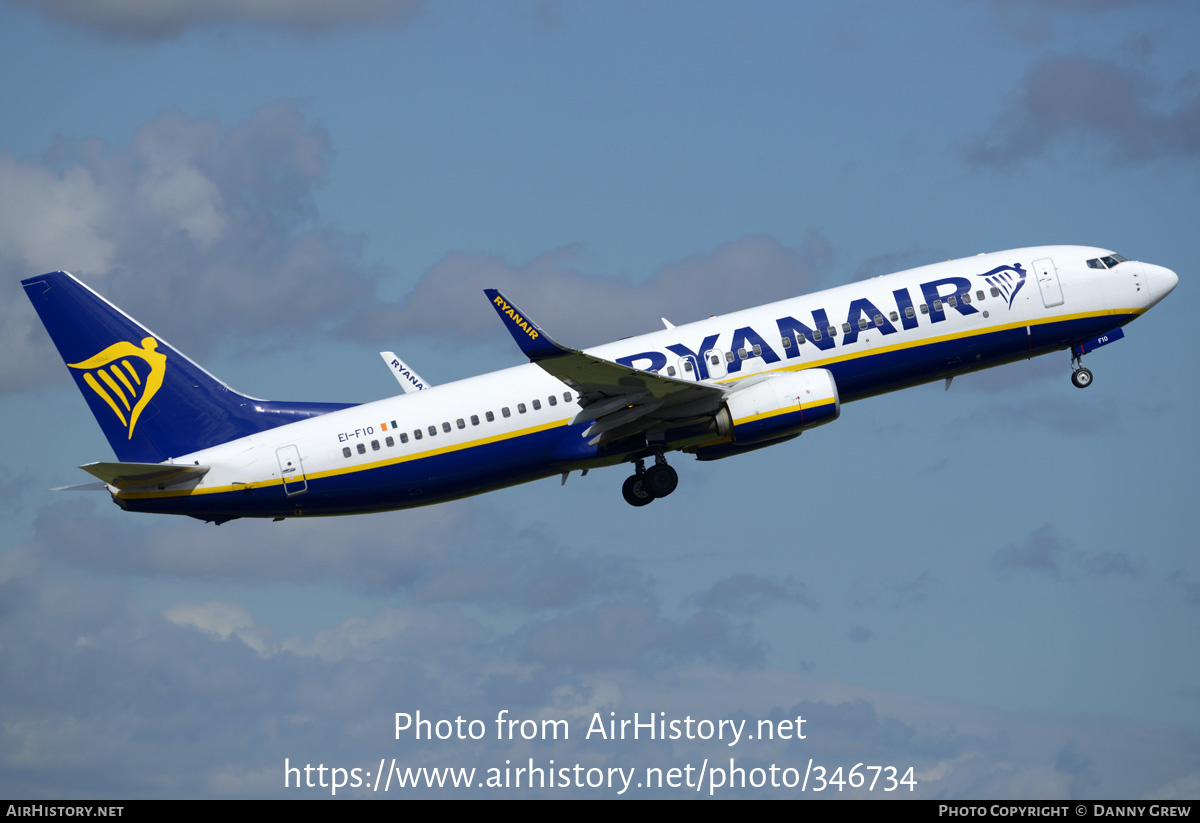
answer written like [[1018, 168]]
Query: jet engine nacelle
[[782, 405]]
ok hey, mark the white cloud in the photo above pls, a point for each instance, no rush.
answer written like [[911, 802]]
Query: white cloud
[[222, 621], [214, 227], [188, 198], [1071, 99], [217, 619], [1044, 551], [442, 554], [583, 310], [164, 707], [47, 217]]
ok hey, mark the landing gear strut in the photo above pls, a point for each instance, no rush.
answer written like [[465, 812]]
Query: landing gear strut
[[646, 485], [1080, 377]]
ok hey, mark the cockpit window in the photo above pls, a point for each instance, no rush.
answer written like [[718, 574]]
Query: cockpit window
[[1106, 262]]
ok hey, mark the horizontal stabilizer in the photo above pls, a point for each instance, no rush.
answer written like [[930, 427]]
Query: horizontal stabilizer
[[122, 475], [95, 486]]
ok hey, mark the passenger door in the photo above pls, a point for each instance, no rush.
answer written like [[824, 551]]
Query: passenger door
[[291, 469], [1047, 277]]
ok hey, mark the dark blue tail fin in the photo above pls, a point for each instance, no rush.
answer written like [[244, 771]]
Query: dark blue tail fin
[[151, 401]]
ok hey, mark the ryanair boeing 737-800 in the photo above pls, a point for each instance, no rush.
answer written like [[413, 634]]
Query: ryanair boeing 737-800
[[189, 444]]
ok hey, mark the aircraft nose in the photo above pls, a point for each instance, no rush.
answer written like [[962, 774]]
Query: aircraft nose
[[1160, 280]]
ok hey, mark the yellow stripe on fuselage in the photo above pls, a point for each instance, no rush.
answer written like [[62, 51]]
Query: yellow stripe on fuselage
[[811, 364], [359, 467], [926, 341]]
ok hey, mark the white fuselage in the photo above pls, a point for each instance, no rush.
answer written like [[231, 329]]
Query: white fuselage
[[510, 426]]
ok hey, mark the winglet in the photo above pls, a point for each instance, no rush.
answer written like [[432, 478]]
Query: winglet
[[535, 343], [408, 379]]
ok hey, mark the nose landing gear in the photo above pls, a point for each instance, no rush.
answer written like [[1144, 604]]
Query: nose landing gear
[[1081, 378], [646, 485]]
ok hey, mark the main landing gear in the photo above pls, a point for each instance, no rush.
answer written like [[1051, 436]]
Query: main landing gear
[[1080, 377], [646, 485]]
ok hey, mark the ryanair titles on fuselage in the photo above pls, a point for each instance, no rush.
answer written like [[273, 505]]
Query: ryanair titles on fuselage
[[936, 295]]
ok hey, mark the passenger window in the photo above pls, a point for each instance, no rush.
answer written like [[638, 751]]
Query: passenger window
[[362, 449], [446, 427], [832, 331], [537, 404], [952, 301], [505, 412], [460, 423], [966, 297], [787, 344], [687, 365], [716, 361], [816, 334], [743, 354], [924, 308], [346, 451], [433, 431], [879, 320], [374, 445], [862, 324], [520, 408], [800, 339], [553, 400], [845, 328], [416, 434], [489, 417], [895, 317], [728, 357], [757, 350], [403, 437], [979, 295], [909, 313], [474, 420], [566, 397], [670, 371], [390, 441]]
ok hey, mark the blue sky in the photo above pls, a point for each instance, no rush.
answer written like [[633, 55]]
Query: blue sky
[[996, 585]]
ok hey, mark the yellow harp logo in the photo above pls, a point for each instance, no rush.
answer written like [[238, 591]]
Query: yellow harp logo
[[119, 385]]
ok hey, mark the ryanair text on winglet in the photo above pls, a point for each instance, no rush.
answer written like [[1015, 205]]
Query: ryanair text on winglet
[[516, 318]]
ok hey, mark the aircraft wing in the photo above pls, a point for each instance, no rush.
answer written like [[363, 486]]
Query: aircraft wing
[[621, 400]]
